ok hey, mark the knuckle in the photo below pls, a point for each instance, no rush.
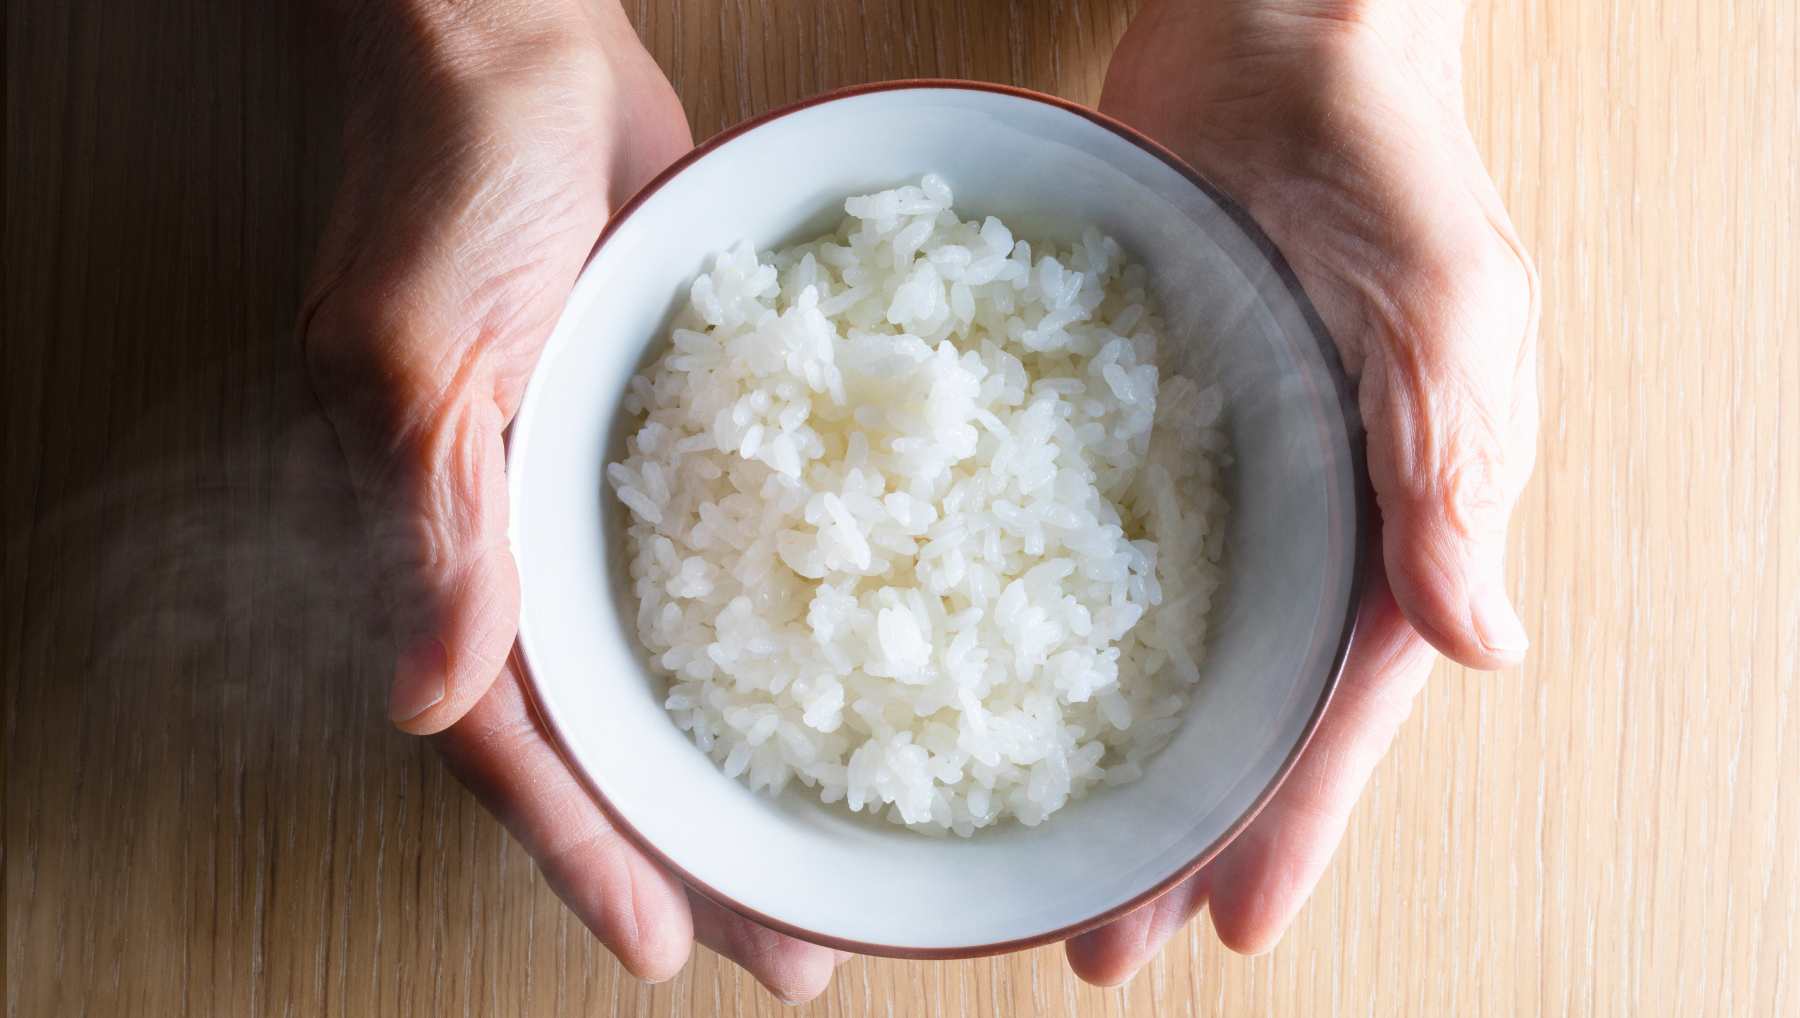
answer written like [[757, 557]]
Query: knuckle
[[1470, 490], [1452, 383], [359, 340], [414, 543], [436, 522], [441, 466], [1471, 300], [1445, 450], [402, 403], [1501, 271]]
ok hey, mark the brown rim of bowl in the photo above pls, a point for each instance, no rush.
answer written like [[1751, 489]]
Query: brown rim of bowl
[[1362, 504]]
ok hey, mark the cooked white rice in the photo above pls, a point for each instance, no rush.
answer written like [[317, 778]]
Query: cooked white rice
[[916, 522]]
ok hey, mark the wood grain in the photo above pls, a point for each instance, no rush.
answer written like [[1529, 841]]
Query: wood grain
[[205, 813]]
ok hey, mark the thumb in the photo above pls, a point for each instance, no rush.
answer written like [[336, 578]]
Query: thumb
[[422, 435], [479, 158], [1450, 404]]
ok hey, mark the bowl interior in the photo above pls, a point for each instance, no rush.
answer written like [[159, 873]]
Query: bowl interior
[[1292, 532]]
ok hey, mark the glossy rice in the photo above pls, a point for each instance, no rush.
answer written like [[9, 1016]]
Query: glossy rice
[[917, 522]]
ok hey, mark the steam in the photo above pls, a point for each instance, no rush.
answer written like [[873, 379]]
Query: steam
[[228, 570]]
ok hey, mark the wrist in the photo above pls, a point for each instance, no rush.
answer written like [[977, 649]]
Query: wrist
[[471, 19], [1264, 93], [1423, 34], [1420, 20], [453, 42]]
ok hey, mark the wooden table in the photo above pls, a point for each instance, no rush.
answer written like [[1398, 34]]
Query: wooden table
[[206, 813]]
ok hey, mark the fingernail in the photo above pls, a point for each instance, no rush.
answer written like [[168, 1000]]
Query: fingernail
[[419, 680], [1499, 627]]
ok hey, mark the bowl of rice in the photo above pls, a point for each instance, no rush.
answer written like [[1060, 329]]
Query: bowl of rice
[[939, 517]]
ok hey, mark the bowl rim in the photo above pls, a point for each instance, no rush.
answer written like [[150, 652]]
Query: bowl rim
[[1361, 504]]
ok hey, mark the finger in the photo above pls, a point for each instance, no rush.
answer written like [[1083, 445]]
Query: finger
[[1386, 666], [636, 910], [1259, 882], [453, 588], [430, 307], [1115, 952], [793, 970], [1449, 398], [415, 412]]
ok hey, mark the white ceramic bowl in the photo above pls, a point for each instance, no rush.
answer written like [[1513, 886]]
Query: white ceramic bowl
[[1298, 513]]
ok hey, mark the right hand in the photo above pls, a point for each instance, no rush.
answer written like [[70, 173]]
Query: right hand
[[1339, 125], [485, 146]]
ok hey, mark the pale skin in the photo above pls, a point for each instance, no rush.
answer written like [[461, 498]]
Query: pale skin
[[488, 142]]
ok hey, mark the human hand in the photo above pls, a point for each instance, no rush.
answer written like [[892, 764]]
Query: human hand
[[485, 147], [1339, 125]]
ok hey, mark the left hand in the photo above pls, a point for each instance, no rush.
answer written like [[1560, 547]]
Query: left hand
[[485, 146], [1339, 125]]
